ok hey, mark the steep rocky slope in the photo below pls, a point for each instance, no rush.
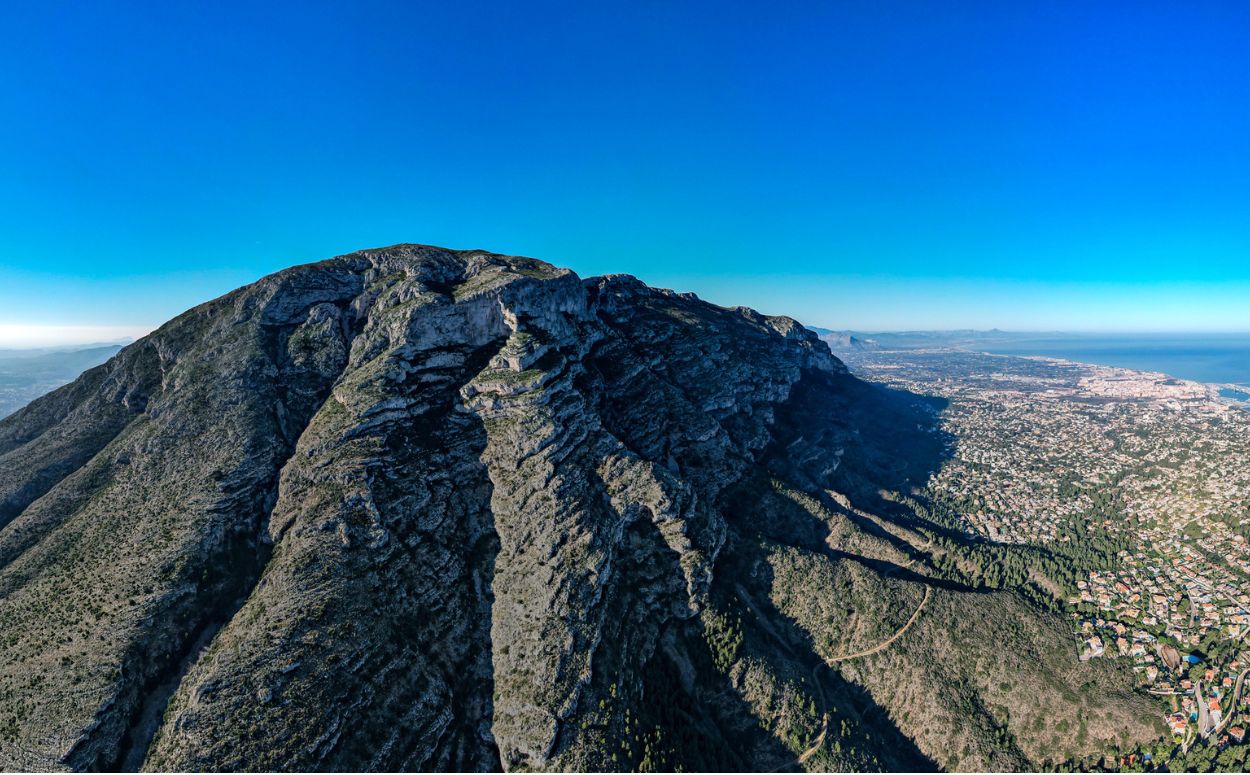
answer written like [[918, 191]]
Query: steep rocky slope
[[412, 508]]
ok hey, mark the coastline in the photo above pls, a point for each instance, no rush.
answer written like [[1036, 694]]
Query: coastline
[[1217, 360], [1214, 391]]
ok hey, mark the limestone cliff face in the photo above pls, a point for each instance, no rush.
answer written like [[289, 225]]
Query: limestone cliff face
[[413, 508], [373, 512]]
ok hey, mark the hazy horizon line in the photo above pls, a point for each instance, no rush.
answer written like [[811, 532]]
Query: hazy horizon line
[[1048, 332], [16, 336]]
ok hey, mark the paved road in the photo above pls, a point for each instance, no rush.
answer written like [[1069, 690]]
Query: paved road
[[1204, 713], [1231, 708]]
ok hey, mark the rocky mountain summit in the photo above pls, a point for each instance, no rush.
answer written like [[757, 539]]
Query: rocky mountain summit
[[420, 509]]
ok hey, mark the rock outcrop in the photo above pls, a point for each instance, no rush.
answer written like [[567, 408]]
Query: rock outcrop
[[413, 508]]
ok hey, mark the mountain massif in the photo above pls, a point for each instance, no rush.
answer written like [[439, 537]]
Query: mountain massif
[[421, 509]]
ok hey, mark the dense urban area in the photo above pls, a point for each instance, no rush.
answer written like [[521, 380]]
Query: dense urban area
[[1140, 484]]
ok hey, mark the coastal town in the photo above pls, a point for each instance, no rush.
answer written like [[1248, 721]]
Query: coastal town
[[1154, 471]]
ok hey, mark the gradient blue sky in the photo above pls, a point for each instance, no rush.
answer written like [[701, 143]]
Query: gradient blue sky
[[870, 165]]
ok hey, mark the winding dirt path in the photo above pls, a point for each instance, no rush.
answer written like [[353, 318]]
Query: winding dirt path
[[818, 744], [824, 721], [886, 643], [902, 630]]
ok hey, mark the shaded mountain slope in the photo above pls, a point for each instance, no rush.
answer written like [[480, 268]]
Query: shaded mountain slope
[[420, 509]]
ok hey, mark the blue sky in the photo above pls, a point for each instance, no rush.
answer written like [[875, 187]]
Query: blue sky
[[868, 165]]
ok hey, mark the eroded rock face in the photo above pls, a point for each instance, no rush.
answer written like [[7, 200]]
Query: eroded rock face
[[418, 509], [373, 512]]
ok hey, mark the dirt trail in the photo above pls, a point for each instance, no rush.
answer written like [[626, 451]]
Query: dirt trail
[[908, 537], [820, 741], [885, 643], [824, 721], [902, 630]]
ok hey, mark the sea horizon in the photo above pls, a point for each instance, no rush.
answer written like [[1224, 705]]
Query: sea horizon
[[1219, 359]]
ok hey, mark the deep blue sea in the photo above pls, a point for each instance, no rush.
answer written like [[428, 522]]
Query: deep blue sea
[[1221, 358]]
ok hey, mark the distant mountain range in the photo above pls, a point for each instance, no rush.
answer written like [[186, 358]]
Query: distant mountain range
[[918, 340], [27, 374], [842, 340]]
